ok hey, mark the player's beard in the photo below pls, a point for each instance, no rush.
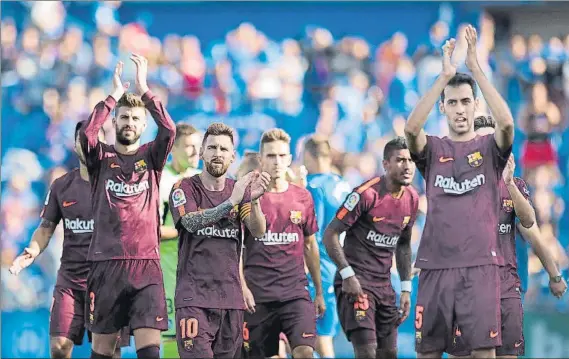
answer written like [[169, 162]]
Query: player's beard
[[123, 140], [218, 169]]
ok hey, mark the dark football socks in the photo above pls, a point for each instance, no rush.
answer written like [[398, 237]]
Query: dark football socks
[[151, 352], [100, 356]]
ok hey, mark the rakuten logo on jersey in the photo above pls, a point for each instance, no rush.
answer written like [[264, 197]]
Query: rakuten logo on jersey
[[213, 231], [381, 240], [450, 186], [121, 189], [504, 228], [79, 226], [271, 238]]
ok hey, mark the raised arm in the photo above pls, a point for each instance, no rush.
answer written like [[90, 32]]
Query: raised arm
[[414, 133], [185, 211], [164, 141], [251, 213], [519, 192], [194, 221], [504, 134], [89, 133]]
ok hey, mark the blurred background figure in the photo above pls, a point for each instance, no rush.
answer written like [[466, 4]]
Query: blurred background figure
[[261, 65]]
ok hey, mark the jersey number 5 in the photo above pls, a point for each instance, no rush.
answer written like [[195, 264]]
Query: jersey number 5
[[419, 317], [189, 328]]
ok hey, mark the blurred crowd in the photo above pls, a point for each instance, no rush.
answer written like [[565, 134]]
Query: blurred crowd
[[359, 94]]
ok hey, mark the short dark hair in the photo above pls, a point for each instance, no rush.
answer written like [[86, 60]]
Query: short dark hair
[[460, 79], [184, 129], [318, 146], [396, 144], [78, 128], [483, 122], [218, 129], [130, 100]]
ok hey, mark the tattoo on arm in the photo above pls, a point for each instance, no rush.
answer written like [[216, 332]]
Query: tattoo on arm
[[47, 224], [403, 257], [197, 220]]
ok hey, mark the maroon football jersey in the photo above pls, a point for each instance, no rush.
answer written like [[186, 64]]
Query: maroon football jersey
[[274, 264], [507, 233], [124, 188], [208, 259], [374, 220], [68, 200], [462, 180]]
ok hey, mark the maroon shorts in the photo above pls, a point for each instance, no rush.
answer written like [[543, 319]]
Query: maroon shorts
[[125, 293], [209, 333], [372, 320], [295, 318], [67, 317], [513, 343], [467, 298]]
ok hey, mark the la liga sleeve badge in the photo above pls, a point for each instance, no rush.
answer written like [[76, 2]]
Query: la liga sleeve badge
[[352, 200]]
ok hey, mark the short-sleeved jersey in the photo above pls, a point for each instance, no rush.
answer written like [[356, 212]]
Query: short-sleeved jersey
[[274, 264], [328, 192], [375, 219], [208, 259], [507, 232], [462, 188], [68, 200], [124, 188], [169, 248]]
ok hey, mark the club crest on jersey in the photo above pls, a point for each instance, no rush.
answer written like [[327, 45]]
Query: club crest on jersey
[[352, 201], [475, 159], [507, 205], [140, 166], [178, 197], [406, 220], [188, 344], [296, 217], [234, 211]]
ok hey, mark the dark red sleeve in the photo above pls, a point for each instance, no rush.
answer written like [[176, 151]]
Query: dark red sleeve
[[51, 210], [414, 208], [500, 157], [182, 200], [162, 144], [310, 226], [423, 159], [355, 205], [89, 133]]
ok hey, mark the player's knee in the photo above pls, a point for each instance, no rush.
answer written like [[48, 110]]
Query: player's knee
[[386, 353], [302, 351], [61, 348], [325, 346], [366, 351]]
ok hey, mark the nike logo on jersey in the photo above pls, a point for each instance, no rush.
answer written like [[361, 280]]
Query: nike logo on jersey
[[493, 334], [307, 335], [378, 219], [67, 204], [445, 159], [114, 165]]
